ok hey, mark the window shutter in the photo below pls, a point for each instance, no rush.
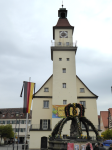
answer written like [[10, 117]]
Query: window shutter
[[48, 123], [41, 124]]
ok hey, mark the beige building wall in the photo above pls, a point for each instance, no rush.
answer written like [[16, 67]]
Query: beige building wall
[[47, 84], [38, 112], [35, 139], [59, 93], [63, 40], [71, 93]]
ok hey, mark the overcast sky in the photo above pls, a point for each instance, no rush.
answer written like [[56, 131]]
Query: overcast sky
[[25, 40]]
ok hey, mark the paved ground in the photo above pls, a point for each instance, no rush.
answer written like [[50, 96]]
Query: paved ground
[[10, 147]]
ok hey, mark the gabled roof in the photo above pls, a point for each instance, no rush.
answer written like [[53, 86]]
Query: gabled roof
[[63, 22], [104, 116], [87, 87], [52, 76], [43, 85]]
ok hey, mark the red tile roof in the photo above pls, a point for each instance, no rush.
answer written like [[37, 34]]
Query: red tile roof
[[104, 116], [63, 22], [9, 111]]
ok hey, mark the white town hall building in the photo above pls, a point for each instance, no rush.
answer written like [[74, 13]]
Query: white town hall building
[[62, 87]]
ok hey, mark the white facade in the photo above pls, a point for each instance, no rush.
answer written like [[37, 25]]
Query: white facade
[[62, 87]]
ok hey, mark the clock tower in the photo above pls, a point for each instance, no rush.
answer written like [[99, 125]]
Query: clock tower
[[61, 88], [63, 53]]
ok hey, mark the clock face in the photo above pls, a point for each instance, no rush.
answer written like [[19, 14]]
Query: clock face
[[63, 34]]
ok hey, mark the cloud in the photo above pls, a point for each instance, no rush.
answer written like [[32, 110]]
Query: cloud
[[25, 40]]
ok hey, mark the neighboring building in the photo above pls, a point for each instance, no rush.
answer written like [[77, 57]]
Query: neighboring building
[[98, 121], [110, 118], [62, 88], [12, 116], [103, 120]]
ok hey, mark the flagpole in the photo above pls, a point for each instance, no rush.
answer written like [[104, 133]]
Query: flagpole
[[26, 124]]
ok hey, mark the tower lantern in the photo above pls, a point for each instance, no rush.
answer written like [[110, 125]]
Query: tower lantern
[[62, 13]]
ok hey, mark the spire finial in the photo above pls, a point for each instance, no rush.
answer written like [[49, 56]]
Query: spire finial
[[62, 4]]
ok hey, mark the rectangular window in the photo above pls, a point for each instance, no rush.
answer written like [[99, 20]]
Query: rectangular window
[[83, 103], [60, 59], [59, 43], [21, 129], [68, 59], [22, 121], [64, 85], [64, 70], [67, 43], [82, 90], [8, 122], [3, 122], [13, 121], [46, 104], [46, 89], [17, 121], [17, 129], [29, 122], [64, 102], [44, 124]]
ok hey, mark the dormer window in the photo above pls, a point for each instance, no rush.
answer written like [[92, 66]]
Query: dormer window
[[3, 115], [12, 115]]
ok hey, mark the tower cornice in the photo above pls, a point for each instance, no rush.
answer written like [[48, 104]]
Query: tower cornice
[[58, 48]]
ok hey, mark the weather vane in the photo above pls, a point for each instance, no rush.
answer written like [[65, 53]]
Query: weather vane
[[62, 4]]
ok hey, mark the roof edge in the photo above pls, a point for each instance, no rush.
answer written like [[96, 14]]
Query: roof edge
[[43, 85], [87, 87]]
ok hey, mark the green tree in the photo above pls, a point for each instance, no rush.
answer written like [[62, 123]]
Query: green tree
[[6, 131], [107, 134]]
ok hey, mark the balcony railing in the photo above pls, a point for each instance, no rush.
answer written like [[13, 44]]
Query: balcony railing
[[67, 44], [35, 126]]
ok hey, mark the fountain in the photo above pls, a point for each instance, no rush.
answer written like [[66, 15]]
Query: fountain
[[55, 140]]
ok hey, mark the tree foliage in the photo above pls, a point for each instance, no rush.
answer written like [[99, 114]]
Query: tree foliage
[[107, 134], [6, 131]]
